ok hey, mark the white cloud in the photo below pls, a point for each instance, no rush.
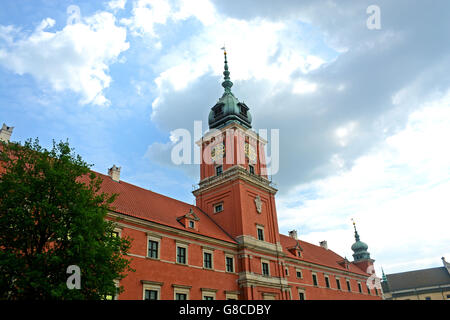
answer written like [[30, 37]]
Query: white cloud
[[147, 13], [117, 4], [76, 58], [397, 194]]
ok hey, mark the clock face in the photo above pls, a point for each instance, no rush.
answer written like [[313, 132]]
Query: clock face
[[217, 152], [250, 152]]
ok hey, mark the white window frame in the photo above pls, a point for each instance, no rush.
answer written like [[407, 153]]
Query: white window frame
[[348, 283], [208, 293], [340, 283], [182, 245], [327, 277], [260, 227], [210, 251], [119, 231], [301, 291], [232, 296], [181, 289], [216, 167], [155, 238], [234, 265], [152, 285], [216, 205], [317, 279], [268, 267], [301, 273], [360, 288]]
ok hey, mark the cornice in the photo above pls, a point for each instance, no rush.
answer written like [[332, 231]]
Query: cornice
[[234, 173]]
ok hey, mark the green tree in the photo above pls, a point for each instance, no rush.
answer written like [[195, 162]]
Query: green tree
[[52, 215]]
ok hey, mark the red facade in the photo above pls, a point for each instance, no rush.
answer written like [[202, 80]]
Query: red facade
[[228, 246]]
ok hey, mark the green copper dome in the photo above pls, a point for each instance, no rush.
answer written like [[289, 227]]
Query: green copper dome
[[228, 108], [359, 248]]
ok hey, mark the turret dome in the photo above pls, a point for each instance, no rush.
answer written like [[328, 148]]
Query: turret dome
[[228, 108]]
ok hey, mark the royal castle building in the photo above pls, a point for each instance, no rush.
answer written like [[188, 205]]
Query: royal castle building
[[228, 245]]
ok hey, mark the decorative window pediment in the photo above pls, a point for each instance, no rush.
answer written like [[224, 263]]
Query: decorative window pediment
[[296, 249], [189, 220]]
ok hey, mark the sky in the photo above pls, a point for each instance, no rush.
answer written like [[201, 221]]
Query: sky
[[363, 113]]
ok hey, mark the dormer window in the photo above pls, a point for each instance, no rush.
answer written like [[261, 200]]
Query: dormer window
[[218, 208], [243, 109], [218, 110], [191, 224]]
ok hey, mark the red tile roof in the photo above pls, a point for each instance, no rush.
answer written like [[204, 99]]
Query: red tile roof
[[151, 206], [148, 205], [317, 255]]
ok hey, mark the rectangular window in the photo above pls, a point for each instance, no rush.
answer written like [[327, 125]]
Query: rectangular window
[[218, 208], [180, 296], [265, 269], [230, 264], [191, 224], [359, 287], [427, 298], [327, 282], [181, 255], [151, 295], [368, 290], [207, 260], [153, 249], [260, 234], [208, 298], [301, 295], [286, 271], [219, 170], [314, 277], [251, 169], [299, 274], [349, 288], [376, 291], [243, 111], [115, 234], [338, 284]]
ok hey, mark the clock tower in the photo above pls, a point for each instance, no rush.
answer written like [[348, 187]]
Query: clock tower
[[235, 192]]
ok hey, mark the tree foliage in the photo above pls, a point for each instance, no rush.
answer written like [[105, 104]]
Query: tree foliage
[[52, 215]]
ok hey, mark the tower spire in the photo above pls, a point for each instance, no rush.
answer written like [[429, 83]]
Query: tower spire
[[356, 232], [384, 276], [359, 248], [227, 84]]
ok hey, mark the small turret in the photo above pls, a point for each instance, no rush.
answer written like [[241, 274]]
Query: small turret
[[228, 108], [359, 248], [361, 257]]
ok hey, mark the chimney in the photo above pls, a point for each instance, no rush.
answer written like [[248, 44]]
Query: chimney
[[114, 173], [5, 133], [293, 234], [446, 264], [324, 244]]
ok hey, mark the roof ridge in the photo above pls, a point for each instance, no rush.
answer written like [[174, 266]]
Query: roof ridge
[[142, 188]]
